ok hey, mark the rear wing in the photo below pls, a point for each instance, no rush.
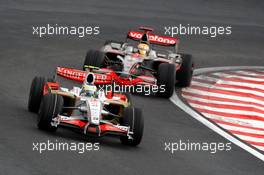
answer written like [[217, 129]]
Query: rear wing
[[153, 38]]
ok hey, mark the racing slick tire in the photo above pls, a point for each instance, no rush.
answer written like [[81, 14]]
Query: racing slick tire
[[51, 106], [129, 98], [94, 58], [133, 118], [185, 73], [36, 94], [166, 78]]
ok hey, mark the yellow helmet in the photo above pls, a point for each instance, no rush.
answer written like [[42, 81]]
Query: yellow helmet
[[143, 49], [89, 90]]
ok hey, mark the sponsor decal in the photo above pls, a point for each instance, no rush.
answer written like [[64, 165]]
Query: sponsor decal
[[70, 72], [154, 38]]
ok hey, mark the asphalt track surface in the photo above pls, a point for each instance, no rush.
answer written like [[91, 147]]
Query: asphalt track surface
[[22, 56]]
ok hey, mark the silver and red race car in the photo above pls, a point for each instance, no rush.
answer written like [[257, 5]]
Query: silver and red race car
[[86, 109], [123, 64]]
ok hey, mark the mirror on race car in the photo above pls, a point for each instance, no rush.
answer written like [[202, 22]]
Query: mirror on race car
[[129, 50], [116, 45]]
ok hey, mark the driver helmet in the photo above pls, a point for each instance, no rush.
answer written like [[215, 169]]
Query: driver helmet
[[143, 49], [88, 87], [89, 90]]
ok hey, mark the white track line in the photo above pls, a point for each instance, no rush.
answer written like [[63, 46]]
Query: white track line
[[243, 122], [221, 74], [242, 129], [239, 90], [249, 138], [189, 97], [259, 147], [258, 73], [178, 102], [218, 81], [216, 94], [245, 74], [229, 111]]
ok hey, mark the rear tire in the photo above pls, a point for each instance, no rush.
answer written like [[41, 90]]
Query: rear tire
[[184, 75], [94, 58], [51, 106], [133, 118], [166, 78], [36, 94]]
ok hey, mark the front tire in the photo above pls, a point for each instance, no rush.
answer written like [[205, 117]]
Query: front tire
[[184, 75], [129, 98], [36, 94], [166, 79], [133, 118], [94, 58], [51, 106]]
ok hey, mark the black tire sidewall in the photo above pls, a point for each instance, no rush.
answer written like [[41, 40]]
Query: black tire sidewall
[[134, 119], [36, 93], [166, 77], [184, 74], [51, 106]]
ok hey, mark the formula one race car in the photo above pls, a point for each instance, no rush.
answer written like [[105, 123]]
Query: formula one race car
[[87, 109], [125, 64]]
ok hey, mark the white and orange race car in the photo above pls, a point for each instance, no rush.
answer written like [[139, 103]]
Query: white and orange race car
[[86, 109]]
